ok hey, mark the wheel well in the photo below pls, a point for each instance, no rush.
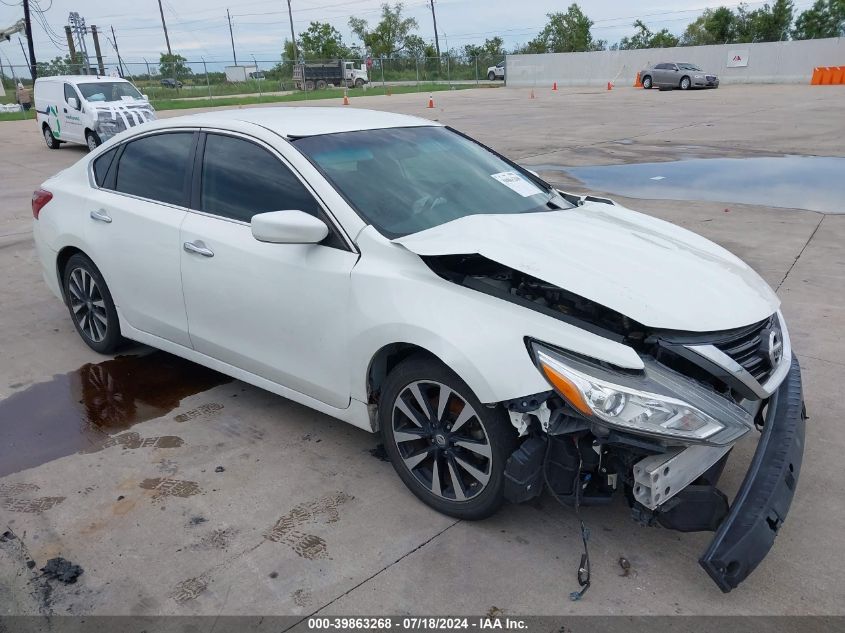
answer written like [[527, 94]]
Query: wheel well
[[383, 363], [645, 77], [685, 77], [61, 261]]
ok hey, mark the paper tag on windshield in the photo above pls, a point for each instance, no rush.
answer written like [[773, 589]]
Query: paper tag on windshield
[[517, 183]]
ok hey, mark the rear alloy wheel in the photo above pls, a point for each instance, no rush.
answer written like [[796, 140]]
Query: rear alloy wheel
[[92, 140], [685, 83], [90, 305], [447, 447], [51, 141], [647, 82]]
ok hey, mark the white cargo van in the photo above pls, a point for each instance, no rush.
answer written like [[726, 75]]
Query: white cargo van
[[87, 109]]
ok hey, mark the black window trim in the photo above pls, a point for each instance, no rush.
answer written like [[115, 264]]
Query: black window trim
[[75, 93], [110, 181], [196, 185]]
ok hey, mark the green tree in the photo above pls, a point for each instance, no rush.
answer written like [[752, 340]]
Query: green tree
[[644, 38], [826, 18], [322, 41], [566, 33], [390, 36], [770, 23], [61, 66], [173, 66], [713, 26]]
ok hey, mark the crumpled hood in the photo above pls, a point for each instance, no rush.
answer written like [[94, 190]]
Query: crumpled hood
[[652, 271]]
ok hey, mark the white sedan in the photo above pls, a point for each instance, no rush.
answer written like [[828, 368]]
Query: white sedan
[[502, 336]]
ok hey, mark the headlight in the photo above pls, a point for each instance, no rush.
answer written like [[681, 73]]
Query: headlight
[[655, 401]]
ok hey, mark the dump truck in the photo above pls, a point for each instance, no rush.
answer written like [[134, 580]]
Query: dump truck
[[318, 76]]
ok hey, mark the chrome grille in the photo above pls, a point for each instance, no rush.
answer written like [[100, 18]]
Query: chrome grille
[[746, 348]]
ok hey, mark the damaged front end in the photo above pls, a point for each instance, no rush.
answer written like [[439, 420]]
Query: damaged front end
[[662, 435]]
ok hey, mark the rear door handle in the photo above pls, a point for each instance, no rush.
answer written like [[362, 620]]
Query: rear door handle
[[101, 215], [199, 248]]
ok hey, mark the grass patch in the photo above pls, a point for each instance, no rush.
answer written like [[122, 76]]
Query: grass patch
[[315, 95], [17, 116]]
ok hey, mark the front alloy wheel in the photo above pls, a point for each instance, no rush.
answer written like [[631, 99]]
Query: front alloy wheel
[[448, 448], [685, 83]]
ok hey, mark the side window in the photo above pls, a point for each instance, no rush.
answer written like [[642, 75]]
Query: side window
[[70, 92], [241, 179], [155, 167], [101, 166]]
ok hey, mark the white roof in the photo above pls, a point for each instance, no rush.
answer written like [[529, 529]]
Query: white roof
[[305, 121]]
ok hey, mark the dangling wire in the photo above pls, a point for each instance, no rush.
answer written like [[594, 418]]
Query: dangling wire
[[583, 574]]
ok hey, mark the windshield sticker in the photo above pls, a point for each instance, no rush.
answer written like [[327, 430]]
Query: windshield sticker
[[517, 183]]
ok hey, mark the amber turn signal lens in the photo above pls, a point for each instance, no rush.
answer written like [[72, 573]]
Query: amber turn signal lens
[[567, 389]]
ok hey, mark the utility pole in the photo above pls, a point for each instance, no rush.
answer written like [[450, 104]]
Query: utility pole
[[28, 28], [231, 37], [77, 24], [71, 46], [95, 34], [292, 36], [164, 26], [434, 18], [116, 50]]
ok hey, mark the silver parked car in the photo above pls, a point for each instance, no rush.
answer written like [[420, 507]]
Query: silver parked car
[[681, 75]]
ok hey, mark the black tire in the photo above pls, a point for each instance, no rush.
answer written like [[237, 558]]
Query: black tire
[[647, 83], [49, 139], [491, 76], [321, 85], [359, 83], [489, 429], [685, 84], [92, 140], [309, 85], [94, 301]]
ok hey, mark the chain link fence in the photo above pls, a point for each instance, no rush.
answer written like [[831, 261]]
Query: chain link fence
[[252, 78]]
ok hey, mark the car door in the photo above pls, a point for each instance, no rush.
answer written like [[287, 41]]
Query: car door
[[73, 127], [135, 214], [275, 310]]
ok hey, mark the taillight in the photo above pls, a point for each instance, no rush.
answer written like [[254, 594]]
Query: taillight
[[40, 197]]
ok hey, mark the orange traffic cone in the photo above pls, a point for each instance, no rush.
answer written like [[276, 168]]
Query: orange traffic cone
[[637, 82], [430, 101], [554, 86], [609, 86], [345, 98], [532, 94]]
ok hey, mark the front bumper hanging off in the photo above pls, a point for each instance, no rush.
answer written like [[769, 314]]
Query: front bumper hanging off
[[748, 531]]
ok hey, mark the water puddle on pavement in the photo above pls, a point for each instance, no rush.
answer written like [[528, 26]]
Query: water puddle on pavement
[[815, 183], [78, 411]]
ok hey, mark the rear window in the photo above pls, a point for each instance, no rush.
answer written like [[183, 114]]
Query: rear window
[[155, 167]]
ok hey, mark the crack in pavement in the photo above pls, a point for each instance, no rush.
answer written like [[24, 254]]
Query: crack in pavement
[[368, 579], [801, 252]]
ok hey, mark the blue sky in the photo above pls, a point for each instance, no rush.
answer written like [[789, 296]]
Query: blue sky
[[198, 29]]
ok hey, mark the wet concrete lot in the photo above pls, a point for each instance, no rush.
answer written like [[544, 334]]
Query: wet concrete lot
[[179, 491]]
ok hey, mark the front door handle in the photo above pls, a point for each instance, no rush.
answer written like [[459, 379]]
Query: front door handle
[[199, 248], [101, 215]]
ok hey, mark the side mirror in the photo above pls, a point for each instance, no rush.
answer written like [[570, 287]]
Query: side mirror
[[288, 227], [73, 103], [145, 97]]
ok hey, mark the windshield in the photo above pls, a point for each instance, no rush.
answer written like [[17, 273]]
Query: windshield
[[689, 67], [109, 91], [404, 180]]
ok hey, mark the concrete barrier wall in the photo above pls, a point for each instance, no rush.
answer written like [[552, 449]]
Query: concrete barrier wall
[[768, 62]]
